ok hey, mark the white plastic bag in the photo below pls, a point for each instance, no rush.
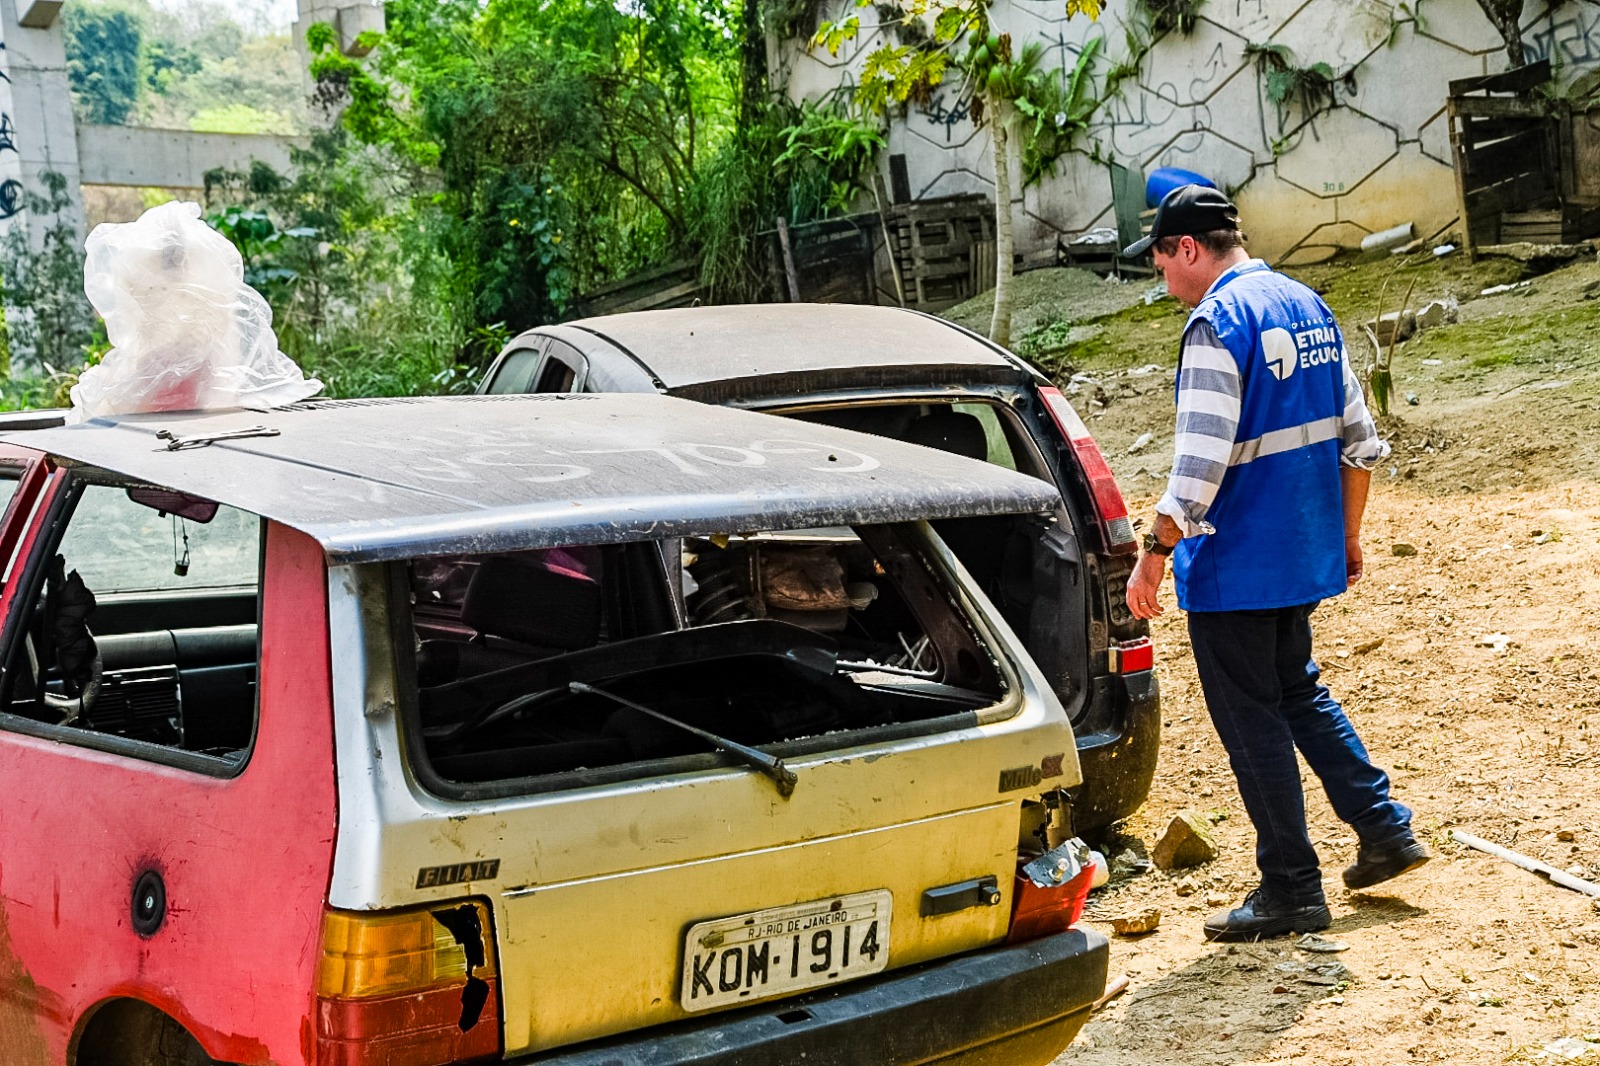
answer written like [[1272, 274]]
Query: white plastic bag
[[187, 333]]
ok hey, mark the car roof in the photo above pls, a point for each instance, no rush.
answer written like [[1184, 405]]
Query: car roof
[[700, 352], [396, 478]]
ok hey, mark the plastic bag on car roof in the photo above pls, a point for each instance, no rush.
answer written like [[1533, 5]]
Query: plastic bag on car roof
[[186, 332]]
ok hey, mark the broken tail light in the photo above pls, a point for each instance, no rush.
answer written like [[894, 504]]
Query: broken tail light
[[414, 987], [1109, 506], [1133, 656], [1051, 892]]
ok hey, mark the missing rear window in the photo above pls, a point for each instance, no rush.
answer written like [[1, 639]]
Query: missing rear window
[[809, 637]]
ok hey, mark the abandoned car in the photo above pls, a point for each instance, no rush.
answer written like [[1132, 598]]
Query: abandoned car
[[541, 729], [919, 378]]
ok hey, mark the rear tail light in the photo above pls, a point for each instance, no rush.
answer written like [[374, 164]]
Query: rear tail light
[[1051, 892], [412, 987], [1109, 506], [1132, 656]]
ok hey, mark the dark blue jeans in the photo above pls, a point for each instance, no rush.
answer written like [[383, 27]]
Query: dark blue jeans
[[1261, 687]]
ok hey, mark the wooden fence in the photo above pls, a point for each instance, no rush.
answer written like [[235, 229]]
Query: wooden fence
[[673, 285], [943, 249], [929, 254]]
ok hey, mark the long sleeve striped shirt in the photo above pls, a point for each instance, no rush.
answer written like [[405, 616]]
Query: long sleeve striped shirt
[[1209, 397]]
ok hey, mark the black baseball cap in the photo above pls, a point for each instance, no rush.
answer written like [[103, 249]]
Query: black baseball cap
[[1185, 211]]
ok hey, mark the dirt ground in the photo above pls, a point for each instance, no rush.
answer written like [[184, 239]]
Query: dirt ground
[[1469, 667]]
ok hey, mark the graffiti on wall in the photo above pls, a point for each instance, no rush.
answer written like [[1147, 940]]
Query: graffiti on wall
[[10, 189], [1570, 37], [948, 117]]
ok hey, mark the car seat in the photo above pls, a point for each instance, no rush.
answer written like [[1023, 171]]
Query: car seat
[[522, 606], [950, 431]]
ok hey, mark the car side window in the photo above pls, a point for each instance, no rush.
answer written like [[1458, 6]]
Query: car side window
[[515, 372], [1000, 453], [10, 478], [140, 634], [10, 481], [562, 369]]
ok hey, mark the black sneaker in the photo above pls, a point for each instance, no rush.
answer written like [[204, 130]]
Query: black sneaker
[[1260, 917], [1377, 863]]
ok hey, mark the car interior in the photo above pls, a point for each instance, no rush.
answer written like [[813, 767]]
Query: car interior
[[547, 662], [1030, 566], [141, 630]]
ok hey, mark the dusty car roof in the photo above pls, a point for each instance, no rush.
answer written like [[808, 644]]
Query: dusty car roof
[[395, 478], [692, 346]]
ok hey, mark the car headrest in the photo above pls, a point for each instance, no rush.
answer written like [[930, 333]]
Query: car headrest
[[950, 431], [547, 599]]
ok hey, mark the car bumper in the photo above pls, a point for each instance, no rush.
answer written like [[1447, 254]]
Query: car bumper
[[1117, 749], [1014, 1005]]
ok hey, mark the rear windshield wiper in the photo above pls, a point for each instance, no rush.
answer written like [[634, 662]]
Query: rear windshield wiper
[[783, 777]]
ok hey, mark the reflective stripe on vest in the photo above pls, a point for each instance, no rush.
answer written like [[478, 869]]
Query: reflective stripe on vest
[[1287, 440]]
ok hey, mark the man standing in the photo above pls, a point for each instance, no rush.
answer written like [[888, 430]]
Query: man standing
[[1262, 518]]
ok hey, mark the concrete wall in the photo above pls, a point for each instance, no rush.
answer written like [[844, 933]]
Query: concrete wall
[[1306, 184], [130, 155]]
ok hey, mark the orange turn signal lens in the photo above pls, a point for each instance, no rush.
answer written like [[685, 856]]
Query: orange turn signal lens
[[379, 953]]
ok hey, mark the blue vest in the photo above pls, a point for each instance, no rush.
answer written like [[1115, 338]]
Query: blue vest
[[1279, 518]]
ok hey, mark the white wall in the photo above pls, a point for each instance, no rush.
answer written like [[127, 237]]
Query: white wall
[[35, 118], [1305, 185]]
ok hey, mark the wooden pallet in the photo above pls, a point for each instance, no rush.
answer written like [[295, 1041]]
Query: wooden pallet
[[673, 285], [944, 249]]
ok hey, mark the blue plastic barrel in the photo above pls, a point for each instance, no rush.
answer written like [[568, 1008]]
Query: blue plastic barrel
[[1163, 180]]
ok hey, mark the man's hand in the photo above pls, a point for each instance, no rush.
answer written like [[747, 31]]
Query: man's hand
[[1352, 559], [1143, 583]]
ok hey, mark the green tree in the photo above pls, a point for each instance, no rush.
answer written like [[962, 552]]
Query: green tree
[[565, 137], [355, 284], [103, 56], [1004, 85]]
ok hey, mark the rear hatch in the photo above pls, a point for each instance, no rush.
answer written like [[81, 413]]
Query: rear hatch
[[646, 873], [636, 873]]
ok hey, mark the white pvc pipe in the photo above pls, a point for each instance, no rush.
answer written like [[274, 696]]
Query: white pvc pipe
[[1388, 238]]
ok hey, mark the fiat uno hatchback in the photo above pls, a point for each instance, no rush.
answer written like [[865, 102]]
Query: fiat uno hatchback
[[602, 730]]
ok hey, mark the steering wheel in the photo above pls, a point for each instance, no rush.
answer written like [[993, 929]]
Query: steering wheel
[[71, 708]]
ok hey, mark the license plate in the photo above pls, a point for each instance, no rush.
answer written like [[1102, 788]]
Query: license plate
[[785, 949]]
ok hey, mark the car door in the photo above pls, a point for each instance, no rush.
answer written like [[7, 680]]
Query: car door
[[166, 843]]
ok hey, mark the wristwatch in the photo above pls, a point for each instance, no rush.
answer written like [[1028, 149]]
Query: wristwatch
[[1154, 546]]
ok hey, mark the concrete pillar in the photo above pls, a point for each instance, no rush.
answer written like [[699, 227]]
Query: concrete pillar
[[349, 19], [37, 132], [41, 201]]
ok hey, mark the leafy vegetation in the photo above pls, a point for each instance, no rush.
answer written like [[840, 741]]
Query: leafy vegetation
[[1168, 16], [104, 47], [41, 285], [492, 159], [517, 112], [1311, 87], [1003, 84], [353, 287], [194, 67]]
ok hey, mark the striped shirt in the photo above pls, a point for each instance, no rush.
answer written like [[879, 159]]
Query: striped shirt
[[1206, 446]]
